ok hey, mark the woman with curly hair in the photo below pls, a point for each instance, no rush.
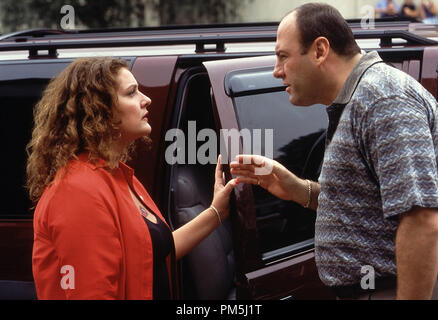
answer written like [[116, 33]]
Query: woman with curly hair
[[97, 232]]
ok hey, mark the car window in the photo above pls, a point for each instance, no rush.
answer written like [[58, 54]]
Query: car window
[[18, 98], [21, 87], [297, 142]]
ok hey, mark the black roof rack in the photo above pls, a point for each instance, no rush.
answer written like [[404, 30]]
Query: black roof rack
[[161, 30], [387, 36], [21, 36], [217, 37], [199, 40], [386, 20], [391, 22]]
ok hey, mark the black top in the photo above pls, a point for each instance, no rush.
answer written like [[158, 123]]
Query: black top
[[410, 6], [162, 246]]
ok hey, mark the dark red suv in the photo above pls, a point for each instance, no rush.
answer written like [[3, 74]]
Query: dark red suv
[[202, 80]]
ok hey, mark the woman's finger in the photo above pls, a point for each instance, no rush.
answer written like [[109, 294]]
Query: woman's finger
[[218, 173], [230, 186]]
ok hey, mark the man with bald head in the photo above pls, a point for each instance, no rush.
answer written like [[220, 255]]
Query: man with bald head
[[376, 231]]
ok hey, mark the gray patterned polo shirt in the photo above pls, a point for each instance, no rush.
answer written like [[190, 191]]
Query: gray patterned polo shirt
[[380, 161]]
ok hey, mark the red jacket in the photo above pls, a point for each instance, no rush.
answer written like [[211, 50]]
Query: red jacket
[[87, 230]]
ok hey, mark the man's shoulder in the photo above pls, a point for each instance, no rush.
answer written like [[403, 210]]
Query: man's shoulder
[[383, 81], [385, 74], [385, 93]]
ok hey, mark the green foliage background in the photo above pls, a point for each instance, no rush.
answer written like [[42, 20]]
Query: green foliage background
[[26, 14]]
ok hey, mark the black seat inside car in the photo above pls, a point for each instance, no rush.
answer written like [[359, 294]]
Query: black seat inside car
[[210, 266]]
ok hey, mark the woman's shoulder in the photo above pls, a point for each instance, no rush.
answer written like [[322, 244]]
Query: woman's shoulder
[[80, 175]]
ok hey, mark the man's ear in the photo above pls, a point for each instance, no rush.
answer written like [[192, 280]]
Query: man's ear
[[322, 49]]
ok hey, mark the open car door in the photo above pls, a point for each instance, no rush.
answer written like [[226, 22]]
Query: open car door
[[273, 239]]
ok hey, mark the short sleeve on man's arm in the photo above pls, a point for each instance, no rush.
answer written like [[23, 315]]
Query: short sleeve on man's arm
[[399, 146], [85, 234]]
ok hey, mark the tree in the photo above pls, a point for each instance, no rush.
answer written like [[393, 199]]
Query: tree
[[197, 11], [27, 14], [88, 13]]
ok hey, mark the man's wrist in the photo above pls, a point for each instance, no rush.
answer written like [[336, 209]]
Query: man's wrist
[[309, 194]]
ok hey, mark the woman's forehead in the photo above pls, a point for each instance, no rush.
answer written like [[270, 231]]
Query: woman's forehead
[[126, 78]]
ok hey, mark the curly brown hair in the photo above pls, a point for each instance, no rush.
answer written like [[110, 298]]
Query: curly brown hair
[[74, 115]]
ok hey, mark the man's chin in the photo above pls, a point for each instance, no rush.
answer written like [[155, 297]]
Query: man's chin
[[294, 100]]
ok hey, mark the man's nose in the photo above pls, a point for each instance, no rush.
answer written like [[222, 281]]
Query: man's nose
[[278, 71]]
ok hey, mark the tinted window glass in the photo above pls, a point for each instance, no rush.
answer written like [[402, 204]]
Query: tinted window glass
[[298, 143], [16, 113]]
